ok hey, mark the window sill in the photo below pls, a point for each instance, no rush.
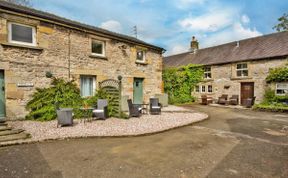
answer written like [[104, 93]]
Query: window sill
[[21, 46], [208, 80], [98, 57], [141, 62], [241, 78]]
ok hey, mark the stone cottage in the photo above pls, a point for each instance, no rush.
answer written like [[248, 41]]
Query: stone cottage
[[236, 68], [36, 43]]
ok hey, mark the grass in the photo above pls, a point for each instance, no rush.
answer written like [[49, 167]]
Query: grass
[[274, 107]]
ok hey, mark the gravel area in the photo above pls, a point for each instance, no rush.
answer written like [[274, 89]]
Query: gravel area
[[146, 124]]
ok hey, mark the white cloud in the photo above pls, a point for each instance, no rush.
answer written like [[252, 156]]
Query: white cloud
[[182, 4], [245, 19], [207, 22], [234, 33], [112, 25], [176, 49]]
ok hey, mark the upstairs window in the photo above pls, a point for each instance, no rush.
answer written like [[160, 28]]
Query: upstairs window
[[140, 56], [242, 70], [281, 88], [87, 85], [21, 34], [207, 73], [98, 48]]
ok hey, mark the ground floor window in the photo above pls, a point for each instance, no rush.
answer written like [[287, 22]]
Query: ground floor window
[[281, 88], [87, 85], [203, 89], [210, 89], [197, 88]]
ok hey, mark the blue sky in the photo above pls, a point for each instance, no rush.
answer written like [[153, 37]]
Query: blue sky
[[171, 23]]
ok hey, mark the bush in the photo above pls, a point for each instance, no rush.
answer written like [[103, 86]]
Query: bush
[[179, 82], [276, 107], [42, 104], [278, 75]]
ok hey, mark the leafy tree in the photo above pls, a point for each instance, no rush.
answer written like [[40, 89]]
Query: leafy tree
[[283, 23], [20, 2]]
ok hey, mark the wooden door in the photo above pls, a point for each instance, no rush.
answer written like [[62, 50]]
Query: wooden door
[[247, 91], [138, 91], [2, 95]]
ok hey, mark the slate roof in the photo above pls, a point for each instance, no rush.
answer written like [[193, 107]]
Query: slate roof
[[37, 13], [263, 47]]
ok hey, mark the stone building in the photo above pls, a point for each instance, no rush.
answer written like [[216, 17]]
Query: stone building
[[36, 43], [236, 68]]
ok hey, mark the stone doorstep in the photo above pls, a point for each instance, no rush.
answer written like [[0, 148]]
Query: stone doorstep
[[18, 136], [11, 132], [3, 128], [229, 106]]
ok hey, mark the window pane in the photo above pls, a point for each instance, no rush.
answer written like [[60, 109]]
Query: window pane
[[97, 47], [245, 73], [197, 89], [239, 73], [210, 88], [86, 86], [207, 69], [22, 33], [203, 89], [140, 55]]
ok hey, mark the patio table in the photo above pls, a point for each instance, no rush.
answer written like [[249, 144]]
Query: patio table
[[87, 114]]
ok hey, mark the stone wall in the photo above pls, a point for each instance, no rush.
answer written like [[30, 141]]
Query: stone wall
[[225, 75], [56, 46]]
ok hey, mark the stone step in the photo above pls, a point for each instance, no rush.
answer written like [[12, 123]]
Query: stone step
[[11, 132], [2, 121], [3, 124], [3, 128], [19, 136]]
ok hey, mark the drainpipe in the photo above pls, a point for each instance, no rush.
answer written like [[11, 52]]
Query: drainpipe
[[69, 54]]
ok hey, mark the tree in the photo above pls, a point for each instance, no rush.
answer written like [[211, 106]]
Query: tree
[[283, 23], [20, 2]]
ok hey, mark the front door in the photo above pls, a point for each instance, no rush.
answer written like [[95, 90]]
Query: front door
[[247, 91], [2, 95], [138, 91]]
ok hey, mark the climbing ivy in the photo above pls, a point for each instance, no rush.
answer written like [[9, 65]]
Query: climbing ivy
[[179, 82], [278, 75]]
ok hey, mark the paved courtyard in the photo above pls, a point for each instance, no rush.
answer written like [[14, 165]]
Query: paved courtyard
[[232, 143]]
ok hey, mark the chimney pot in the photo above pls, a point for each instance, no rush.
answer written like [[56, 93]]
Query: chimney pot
[[194, 45]]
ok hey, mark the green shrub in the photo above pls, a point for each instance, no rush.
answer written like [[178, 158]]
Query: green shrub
[[278, 75], [42, 104], [276, 107], [179, 82]]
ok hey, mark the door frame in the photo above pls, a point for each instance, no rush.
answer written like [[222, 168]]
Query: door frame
[[4, 98], [253, 90], [142, 80]]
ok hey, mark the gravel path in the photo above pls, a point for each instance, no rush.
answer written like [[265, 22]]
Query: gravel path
[[146, 124]]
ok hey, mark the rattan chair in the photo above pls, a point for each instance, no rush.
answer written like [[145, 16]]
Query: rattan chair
[[223, 99], [134, 109], [102, 109], [155, 106], [234, 100]]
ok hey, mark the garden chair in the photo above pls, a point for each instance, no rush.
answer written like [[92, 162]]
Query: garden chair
[[134, 109], [206, 100], [249, 102], [64, 116], [234, 100], [223, 99], [102, 109], [155, 106]]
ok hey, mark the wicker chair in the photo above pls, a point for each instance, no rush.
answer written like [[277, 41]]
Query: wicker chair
[[134, 109], [249, 102], [223, 99], [206, 100], [102, 109], [234, 100], [155, 106]]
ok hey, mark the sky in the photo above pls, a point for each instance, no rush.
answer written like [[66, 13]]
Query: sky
[[171, 24]]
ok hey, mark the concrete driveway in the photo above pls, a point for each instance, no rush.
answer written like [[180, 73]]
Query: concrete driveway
[[232, 143]]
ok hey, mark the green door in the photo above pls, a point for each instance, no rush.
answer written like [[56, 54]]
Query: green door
[[138, 91], [2, 96]]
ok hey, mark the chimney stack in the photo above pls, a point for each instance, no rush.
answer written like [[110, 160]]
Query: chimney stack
[[194, 45]]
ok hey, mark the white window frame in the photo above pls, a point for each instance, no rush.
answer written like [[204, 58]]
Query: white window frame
[[197, 86], [19, 42], [203, 86], [103, 54], [242, 69], [144, 55], [280, 88], [93, 84], [207, 72], [211, 89]]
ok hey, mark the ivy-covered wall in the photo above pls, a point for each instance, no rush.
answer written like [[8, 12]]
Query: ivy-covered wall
[[179, 82]]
